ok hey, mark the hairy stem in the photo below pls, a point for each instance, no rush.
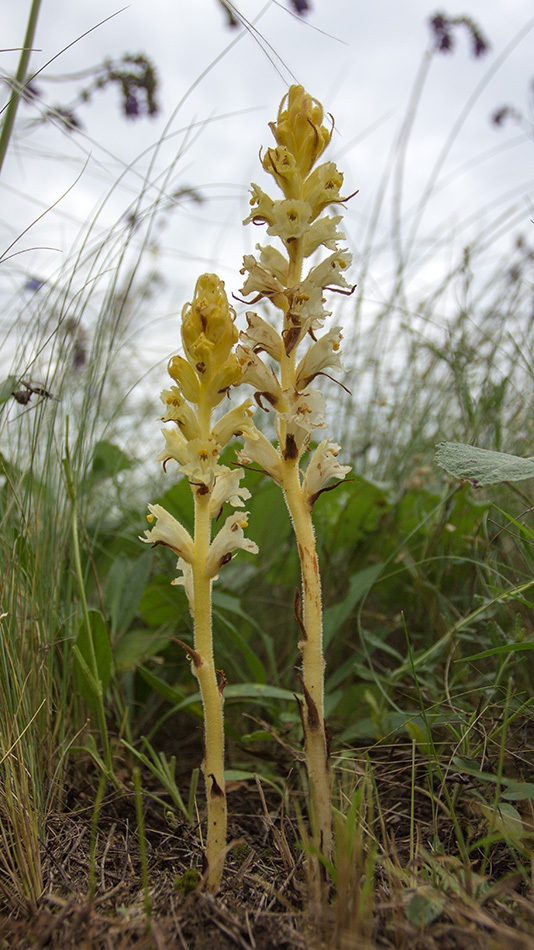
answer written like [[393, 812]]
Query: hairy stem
[[311, 647], [212, 700]]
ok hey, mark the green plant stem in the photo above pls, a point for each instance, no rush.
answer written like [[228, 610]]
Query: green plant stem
[[97, 684], [94, 664], [20, 79], [311, 647], [203, 666], [142, 843]]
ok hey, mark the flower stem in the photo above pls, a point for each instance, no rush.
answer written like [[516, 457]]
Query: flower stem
[[311, 647], [212, 699]]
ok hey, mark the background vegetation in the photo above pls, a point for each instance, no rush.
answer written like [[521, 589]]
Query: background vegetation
[[428, 629]]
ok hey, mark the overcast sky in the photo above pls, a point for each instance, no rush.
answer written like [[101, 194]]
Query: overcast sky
[[220, 87]]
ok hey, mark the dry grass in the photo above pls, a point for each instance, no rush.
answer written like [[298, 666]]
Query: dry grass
[[401, 879]]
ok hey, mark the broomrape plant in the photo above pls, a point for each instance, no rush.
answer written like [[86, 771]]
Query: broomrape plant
[[299, 223], [283, 384], [202, 380]]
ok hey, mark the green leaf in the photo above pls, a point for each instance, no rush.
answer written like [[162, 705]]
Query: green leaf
[[163, 604], [108, 461], [359, 586], [518, 791], [255, 692], [506, 648], [258, 692], [175, 697], [125, 584], [136, 647], [481, 466], [8, 387], [93, 681], [420, 737], [422, 910]]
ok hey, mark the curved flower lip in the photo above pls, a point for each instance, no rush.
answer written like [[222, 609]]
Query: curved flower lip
[[260, 376], [169, 532], [262, 281], [329, 271], [236, 422], [322, 355], [185, 580], [260, 335], [228, 540], [226, 489], [261, 452], [178, 411], [322, 466], [176, 447]]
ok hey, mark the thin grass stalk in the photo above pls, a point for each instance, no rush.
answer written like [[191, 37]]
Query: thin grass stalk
[[19, 81]]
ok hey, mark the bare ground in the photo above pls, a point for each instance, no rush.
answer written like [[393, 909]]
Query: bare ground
[[421, 898]]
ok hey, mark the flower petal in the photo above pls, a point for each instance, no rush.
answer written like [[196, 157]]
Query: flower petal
[[169, 532], [322, 466], [226, 489], [229, 539]]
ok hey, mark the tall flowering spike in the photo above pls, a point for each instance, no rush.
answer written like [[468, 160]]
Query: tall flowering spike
[[202, 380], [300, 221]]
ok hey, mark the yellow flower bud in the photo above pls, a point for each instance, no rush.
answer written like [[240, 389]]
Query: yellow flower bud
[[208, 331], [299, 128], [185, 376]]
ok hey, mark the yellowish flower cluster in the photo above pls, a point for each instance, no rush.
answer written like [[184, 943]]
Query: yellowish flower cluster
[[203, 380], [297, 220]]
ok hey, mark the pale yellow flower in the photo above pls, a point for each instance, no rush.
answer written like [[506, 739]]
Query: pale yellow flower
[[322, 466], [228, 540], [261, 336], [330, 271], [227, 489], [177, 410], [261, 281], [323, 232], [184, 374], [169, 532], [260, 376], [304, 413], [197, 458], [322, 355], [322, 187], [260, 451], [290, 219], [236, 422]]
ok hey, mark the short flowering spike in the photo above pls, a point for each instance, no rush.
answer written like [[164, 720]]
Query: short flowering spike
[[202, 380], [208, 331]]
